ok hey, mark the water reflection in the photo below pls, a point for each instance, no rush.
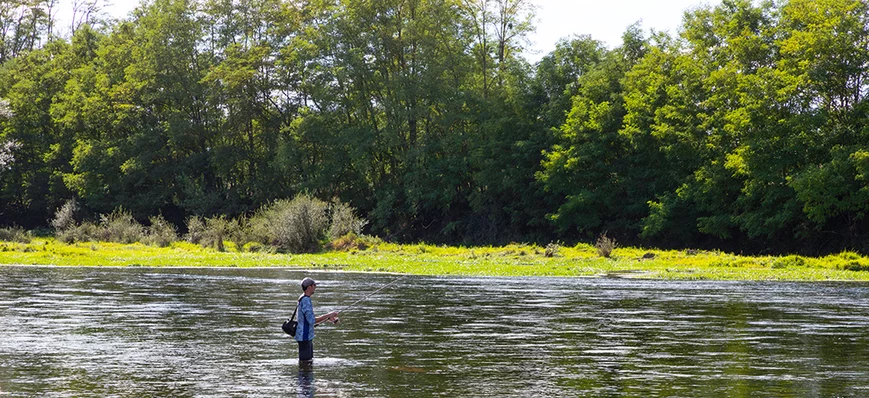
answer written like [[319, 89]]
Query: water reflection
[[216, 332], [306, 381]]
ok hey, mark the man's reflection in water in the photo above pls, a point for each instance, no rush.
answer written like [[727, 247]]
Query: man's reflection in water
[[306, 380]]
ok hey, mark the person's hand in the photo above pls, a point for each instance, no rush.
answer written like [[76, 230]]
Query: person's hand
[[335, 319]]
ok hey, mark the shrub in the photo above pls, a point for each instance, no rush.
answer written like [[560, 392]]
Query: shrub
[[216, 231], [295, 225], [212, 232], [79, 233], [720, 263], [551, 249], [846, 255], [256, 247], [789, 261], [855, 266], [64, 217], [746, 263], [195, 229], [345, 221], [605, 245], [239, 232], [352, 241], [14, 234], [160, 232], [121, 227], [65, 236]]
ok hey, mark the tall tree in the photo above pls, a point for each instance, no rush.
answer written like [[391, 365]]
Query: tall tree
[[588, 168], [825, 60], [24, 26], [32, 186]]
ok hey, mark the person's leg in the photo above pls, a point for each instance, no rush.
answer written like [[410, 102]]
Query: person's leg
[[306, 350]]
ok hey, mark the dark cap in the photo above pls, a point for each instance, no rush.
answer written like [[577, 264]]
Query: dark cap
[[307, 282]]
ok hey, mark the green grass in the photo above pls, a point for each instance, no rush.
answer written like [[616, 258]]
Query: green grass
[[421, 259]]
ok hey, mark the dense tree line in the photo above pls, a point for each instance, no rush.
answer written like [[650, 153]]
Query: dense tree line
[[747, 131]]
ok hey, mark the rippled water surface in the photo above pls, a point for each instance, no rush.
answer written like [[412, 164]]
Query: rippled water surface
[[137, 332]]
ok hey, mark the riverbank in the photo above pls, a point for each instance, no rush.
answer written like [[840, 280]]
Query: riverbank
[[512, 260]]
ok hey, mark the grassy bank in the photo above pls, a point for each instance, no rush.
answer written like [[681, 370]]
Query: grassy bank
[[511, 260]]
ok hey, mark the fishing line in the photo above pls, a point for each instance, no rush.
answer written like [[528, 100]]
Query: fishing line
[[371, 294]]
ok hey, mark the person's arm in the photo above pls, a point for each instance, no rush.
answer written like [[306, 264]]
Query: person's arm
[[332, 317]]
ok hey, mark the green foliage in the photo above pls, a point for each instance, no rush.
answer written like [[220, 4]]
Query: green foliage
[[352, 241], [120, 226], [848, 255], [344, 221], [422, 259], [789, 261], [559, 71], [831, 190], [856, 266], [214, 231], [23, 24], [605, 246], [160, 233], [217, 230], [590, 164], [552, 249], [83, 232], [195, 230], [296, 225], [240, 232], [14, 234], [747, 130]]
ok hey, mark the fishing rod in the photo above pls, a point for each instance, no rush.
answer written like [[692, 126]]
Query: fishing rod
[[371, 294]]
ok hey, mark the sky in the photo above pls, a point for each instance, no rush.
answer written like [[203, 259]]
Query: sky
[[604, 20]]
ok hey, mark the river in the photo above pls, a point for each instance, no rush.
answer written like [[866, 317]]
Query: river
[[199, 332]]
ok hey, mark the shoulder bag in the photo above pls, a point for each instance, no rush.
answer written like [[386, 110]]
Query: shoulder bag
[[291, 323]]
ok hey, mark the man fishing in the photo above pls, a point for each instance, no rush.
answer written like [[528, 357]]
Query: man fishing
[[307, 321]]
